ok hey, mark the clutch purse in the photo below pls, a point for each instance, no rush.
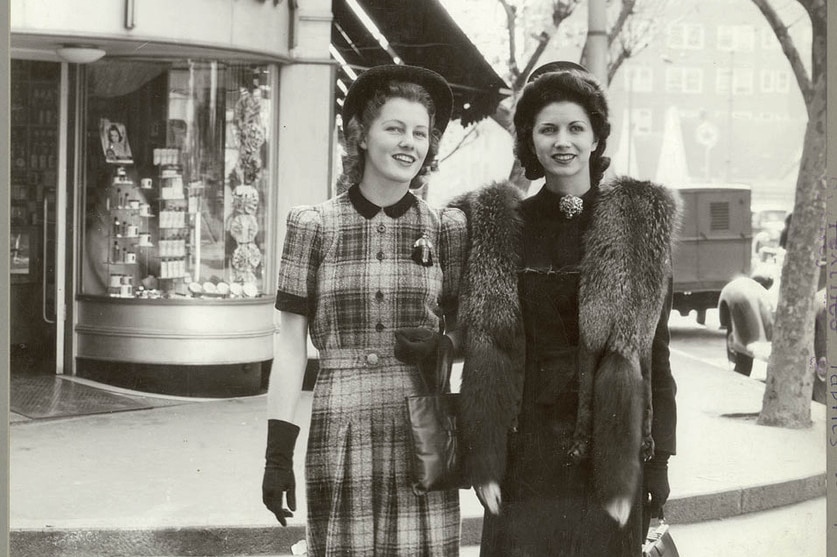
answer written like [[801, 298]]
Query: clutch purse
[[435, 448], [659, 542]]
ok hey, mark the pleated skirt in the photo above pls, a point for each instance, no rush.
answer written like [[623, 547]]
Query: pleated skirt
[[358, 470]]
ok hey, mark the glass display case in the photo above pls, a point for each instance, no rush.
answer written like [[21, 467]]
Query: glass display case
[[177, 196], [175, 286]]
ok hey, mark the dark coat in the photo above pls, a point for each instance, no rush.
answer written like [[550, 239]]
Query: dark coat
[[491, 319]]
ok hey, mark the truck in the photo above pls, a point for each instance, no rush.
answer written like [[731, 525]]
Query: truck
[[714, 244]]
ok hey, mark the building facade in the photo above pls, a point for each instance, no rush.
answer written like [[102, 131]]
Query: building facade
[[715, 88]]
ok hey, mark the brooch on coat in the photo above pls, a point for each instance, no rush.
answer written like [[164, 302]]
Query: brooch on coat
[[570, 206], [423, 251]]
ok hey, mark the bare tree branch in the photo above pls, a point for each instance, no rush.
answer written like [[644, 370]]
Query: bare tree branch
[[543, 40], [624, 13], [633, 30], [615, 64], [511, 25], [471, 134], [788, 47]]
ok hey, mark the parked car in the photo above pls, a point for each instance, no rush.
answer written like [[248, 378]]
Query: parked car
[[747, 309], [768, 224]]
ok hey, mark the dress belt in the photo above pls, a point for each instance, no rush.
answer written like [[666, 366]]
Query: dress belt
[[358, 357]]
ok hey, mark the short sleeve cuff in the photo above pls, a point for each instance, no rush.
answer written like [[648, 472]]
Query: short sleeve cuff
[[290, 303]]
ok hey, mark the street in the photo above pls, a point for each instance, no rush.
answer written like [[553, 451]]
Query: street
[[797, 530]]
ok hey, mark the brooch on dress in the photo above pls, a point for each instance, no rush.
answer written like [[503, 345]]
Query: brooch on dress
[[423, 251], [570, 206]]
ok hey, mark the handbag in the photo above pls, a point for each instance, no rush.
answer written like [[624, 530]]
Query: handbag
[[659, 542], [433, 430]]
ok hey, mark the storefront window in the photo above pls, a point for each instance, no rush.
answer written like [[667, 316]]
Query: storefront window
[[177, 179]]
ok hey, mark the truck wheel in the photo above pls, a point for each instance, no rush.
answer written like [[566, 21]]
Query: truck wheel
[[701, 316]]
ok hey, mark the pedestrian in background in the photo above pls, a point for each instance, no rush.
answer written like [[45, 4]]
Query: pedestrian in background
[[356, 269], [545, 274]]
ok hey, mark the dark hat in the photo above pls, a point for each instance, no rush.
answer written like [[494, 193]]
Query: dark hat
[[377, 77], [557, 66]]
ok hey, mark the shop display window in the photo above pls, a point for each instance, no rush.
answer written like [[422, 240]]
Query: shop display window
[[33, 157], [178, 168]]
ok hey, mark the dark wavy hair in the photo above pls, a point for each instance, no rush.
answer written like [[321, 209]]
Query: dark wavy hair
[[575, 86], [355, 130]]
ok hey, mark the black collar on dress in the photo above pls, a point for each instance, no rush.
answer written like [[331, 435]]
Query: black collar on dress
[[367, 209]]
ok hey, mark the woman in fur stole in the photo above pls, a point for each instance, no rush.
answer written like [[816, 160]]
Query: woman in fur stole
[[564, 307]]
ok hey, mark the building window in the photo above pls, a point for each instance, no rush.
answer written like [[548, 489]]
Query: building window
[[768, 39], [639, 79], [641, 120], [782, 81], [178, 172], [736, 37], [723, 79], [685, 36], [768, 81], [745, 38], [726, 37], [742, 81], [774, 81], [684, 80]]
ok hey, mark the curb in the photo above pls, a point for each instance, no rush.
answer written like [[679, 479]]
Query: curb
[[219, 541]]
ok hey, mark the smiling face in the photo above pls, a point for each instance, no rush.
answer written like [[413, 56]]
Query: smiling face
[[396, 143], [563, 139]]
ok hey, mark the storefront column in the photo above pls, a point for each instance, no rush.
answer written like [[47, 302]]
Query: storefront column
[[306, 100]]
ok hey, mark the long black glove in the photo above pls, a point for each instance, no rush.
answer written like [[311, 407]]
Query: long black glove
[[656, 486], [279, 469]]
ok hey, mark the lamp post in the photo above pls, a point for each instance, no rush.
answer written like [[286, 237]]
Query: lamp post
[[597, 39], [730, 97]]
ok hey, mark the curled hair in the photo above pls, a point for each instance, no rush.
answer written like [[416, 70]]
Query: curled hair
[[573, 86], [355, 130]]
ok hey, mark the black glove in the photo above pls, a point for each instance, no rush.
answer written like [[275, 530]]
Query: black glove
[[656, 488], [279, 469]]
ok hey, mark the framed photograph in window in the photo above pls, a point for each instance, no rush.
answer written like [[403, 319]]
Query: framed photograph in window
[[115, 144]]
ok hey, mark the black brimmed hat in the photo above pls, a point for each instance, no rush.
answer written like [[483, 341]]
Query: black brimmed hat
[[377, 77], [557, 66]]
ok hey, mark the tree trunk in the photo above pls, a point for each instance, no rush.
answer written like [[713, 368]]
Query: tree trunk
[[787, 395]]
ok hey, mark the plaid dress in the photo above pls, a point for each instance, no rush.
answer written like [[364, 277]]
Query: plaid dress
[[347, 266]]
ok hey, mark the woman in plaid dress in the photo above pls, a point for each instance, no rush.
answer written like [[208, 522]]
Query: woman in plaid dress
[[352, 273]]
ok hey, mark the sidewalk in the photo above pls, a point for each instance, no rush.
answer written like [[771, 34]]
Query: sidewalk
[[185, 479]]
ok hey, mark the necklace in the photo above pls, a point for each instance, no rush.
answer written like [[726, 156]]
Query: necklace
[[570, 206]]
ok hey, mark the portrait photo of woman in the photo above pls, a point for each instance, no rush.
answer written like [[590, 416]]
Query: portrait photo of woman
[[115, 142]]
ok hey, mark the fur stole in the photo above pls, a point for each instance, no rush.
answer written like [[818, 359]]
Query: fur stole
[[491, 323], [624, 278]]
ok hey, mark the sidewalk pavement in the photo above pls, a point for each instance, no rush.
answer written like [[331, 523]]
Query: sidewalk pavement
[[185, 479]]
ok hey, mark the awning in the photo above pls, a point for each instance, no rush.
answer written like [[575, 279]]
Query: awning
[[420, 33]]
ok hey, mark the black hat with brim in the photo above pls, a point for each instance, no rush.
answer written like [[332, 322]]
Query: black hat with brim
[[557, 66], [376, 77]]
